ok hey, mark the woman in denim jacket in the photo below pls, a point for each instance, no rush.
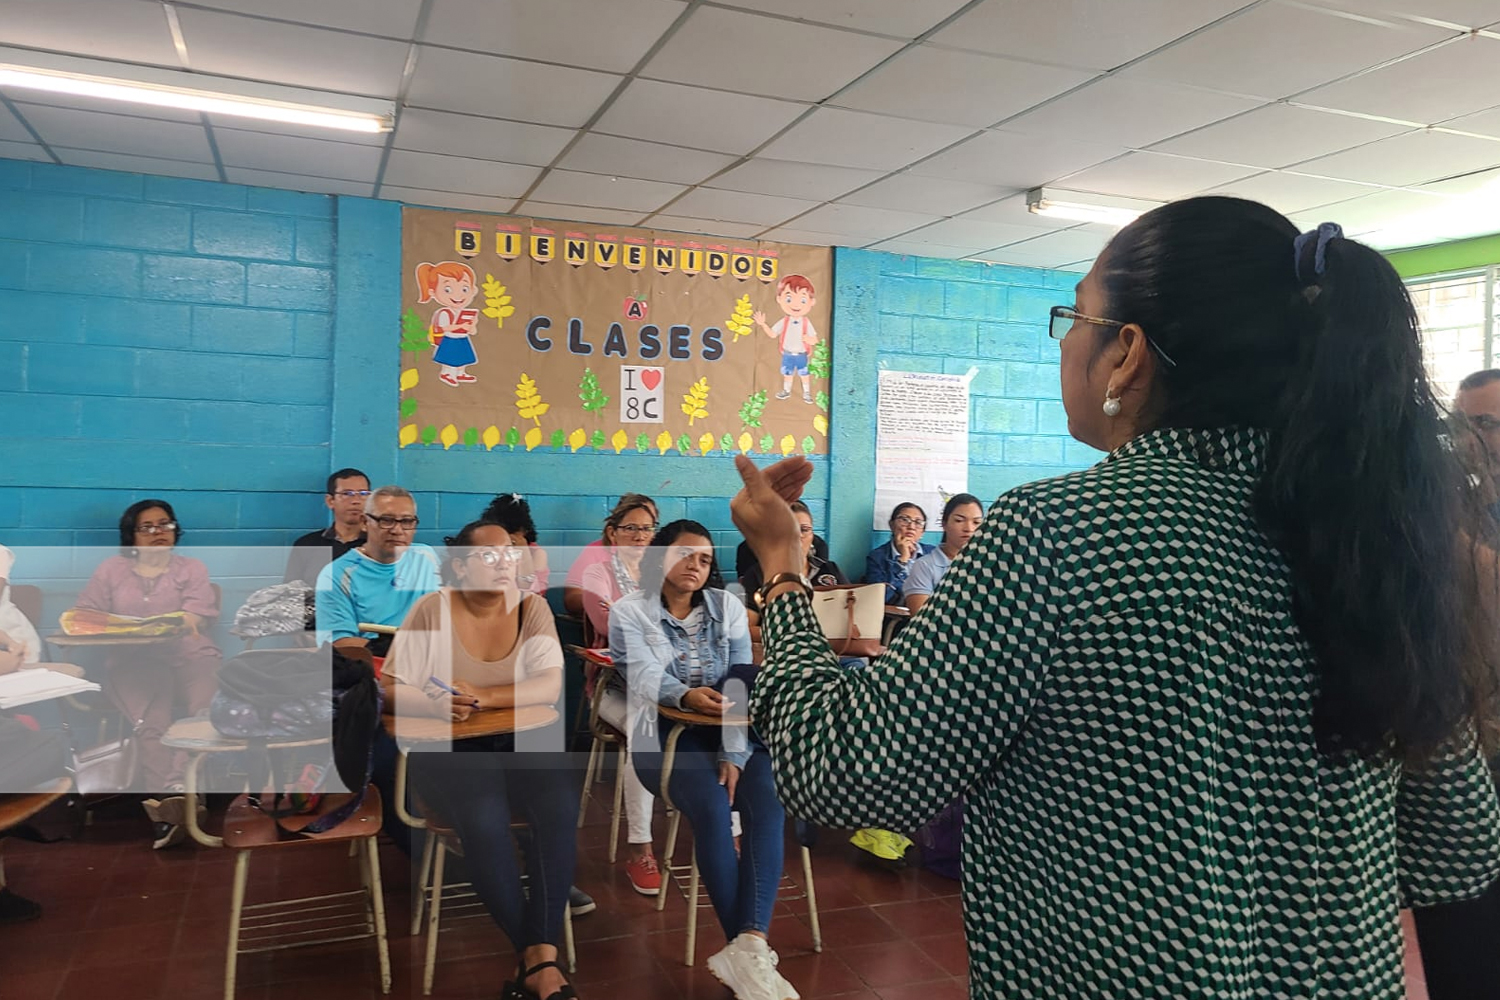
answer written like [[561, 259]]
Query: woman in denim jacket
[[676, 641]]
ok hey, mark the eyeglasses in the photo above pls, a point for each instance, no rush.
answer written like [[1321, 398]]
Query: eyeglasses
[[494, 557], [392, 523], [156, 529], [637, 530], [1485, 422], [350, 494], [806, 529], [909, 522], [1063, 318]]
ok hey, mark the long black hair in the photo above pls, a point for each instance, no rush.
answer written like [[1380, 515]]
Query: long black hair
[[654, 562], [1360, 493], [133, 512]]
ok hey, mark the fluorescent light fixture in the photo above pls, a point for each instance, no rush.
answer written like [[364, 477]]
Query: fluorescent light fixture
[[213, 95], [1076, 206]]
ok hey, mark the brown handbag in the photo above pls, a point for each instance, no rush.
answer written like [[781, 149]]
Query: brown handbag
[[838, 618], [107, 768]]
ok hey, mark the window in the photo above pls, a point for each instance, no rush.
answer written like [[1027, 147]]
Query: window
[[1457, 314]]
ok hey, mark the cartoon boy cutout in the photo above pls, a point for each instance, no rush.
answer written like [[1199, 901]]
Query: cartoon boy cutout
[[451, 285], [794, 293]]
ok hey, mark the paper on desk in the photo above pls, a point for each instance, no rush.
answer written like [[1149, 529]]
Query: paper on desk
[[27, 686]]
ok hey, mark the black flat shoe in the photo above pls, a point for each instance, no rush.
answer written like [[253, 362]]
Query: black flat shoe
[[565, 993]]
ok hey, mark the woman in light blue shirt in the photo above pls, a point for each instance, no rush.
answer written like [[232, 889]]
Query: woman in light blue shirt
[[962, 516], [680, 641]]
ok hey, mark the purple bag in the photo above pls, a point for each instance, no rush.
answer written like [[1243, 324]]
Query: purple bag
[[942, 842]]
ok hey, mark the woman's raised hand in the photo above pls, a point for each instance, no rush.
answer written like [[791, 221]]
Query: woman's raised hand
[[761, 512]]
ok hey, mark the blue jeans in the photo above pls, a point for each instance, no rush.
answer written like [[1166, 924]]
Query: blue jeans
[[479, 787], [742, 889]]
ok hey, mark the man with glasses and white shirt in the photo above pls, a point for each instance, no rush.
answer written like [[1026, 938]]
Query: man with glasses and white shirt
[[347, 491]]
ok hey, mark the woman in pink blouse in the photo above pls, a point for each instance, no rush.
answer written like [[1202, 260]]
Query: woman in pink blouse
[[149, 683]]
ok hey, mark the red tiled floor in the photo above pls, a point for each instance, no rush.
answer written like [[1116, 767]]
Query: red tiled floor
[[124, 922]]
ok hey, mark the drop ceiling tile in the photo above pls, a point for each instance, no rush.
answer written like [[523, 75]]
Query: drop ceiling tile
[[914, 248], [391, 18], [817, 181], [609, 36], [1278, 49], [1288, 193], [119, 133], [1480, 180], [765, 55], [570, 187], [1009, 159], [1154, 176], [928, 195], [1067, 245], [609, 154], [961, 88], [865, 224], [1278, 135], [108, 29], [1463, 13], [703, 119], [435, 172], [704, 227], [739, 206], [280, 130], [810, 237], [291, 154], [901, 18], [582, 214], [11, 130], [1370, 212], [13, 150], [1484, 123], [1093, 34], [137, 164], [855, 139], [480, 138], [1016, 257], [445, 199], [497, 87], [296, 182], [1409, 159], [248, 47], [26, 97], [1012, 211], [1451, 81], [1127, 112], [972, 234]]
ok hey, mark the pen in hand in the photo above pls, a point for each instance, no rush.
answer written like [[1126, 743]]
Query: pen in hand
[[451, 690]]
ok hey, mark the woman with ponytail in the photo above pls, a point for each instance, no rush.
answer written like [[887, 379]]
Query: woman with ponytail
[[1212, 703]]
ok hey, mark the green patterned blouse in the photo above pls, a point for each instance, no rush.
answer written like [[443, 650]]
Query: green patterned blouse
[[1111, 675]]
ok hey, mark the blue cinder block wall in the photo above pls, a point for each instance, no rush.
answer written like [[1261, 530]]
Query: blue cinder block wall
[[210, 343]]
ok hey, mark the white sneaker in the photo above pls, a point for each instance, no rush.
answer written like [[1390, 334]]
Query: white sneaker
[[745, 967], [788, 991]]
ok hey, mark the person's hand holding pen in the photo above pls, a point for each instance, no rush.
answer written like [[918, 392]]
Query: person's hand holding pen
[[464, 700]]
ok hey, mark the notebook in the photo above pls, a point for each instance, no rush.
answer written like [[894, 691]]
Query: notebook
[[27, 686]]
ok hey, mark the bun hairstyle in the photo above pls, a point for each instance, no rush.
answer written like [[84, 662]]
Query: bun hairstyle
[[513, 513], [1314, 340]]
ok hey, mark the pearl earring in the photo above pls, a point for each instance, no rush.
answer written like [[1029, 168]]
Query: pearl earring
[[1111, 406]]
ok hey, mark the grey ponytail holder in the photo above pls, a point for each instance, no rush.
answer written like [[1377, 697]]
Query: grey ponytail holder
[[1323, 234]]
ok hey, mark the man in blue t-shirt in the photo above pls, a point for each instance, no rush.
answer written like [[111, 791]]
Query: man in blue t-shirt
[[379, 581]]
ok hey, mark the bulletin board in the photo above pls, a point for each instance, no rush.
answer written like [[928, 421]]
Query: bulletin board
[[526, 334]]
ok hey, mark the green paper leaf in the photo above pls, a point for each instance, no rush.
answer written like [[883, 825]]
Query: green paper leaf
[[822, 399], [643, 443], [597, 441], [429, 434], [408, 407], [685, 444], [727, 443], [559, 440], [471, 436], [809, 445], [512, 438], [768, 444]]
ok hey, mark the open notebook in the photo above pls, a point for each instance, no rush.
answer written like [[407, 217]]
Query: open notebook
[[26, 686]]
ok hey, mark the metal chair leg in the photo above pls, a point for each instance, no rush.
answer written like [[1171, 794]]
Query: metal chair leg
[[588, 782], [236, 907], [675, 819], [424, 873], [692, 902], [434, 907], [614, 819], [812, 900], [568, 948], [377, 907]]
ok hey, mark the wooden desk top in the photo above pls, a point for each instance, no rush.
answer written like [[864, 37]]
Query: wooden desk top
[[378, 629], [897, 611], [699, 719], [16, 809], [64, 641], [492, 722], [198, 735]]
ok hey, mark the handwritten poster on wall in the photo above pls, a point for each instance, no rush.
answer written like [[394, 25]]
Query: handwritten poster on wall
[[525, 334], [921, 442]]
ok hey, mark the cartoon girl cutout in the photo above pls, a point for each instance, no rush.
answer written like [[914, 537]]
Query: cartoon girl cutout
[[452, 286]]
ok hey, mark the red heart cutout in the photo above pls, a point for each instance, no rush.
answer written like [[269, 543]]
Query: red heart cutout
[[651, 378]]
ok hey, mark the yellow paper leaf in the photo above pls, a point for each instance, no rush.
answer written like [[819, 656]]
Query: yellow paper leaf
[[788, 445], [490, 437], [408, 435], [578, 439], [449, 436], [820, 422], [664, 442], [747, 443], [408, 379], [533, 437], [620, 440], [706, 443]]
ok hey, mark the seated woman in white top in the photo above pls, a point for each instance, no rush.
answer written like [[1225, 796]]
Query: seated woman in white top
[[478, 644], [19, 634]]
